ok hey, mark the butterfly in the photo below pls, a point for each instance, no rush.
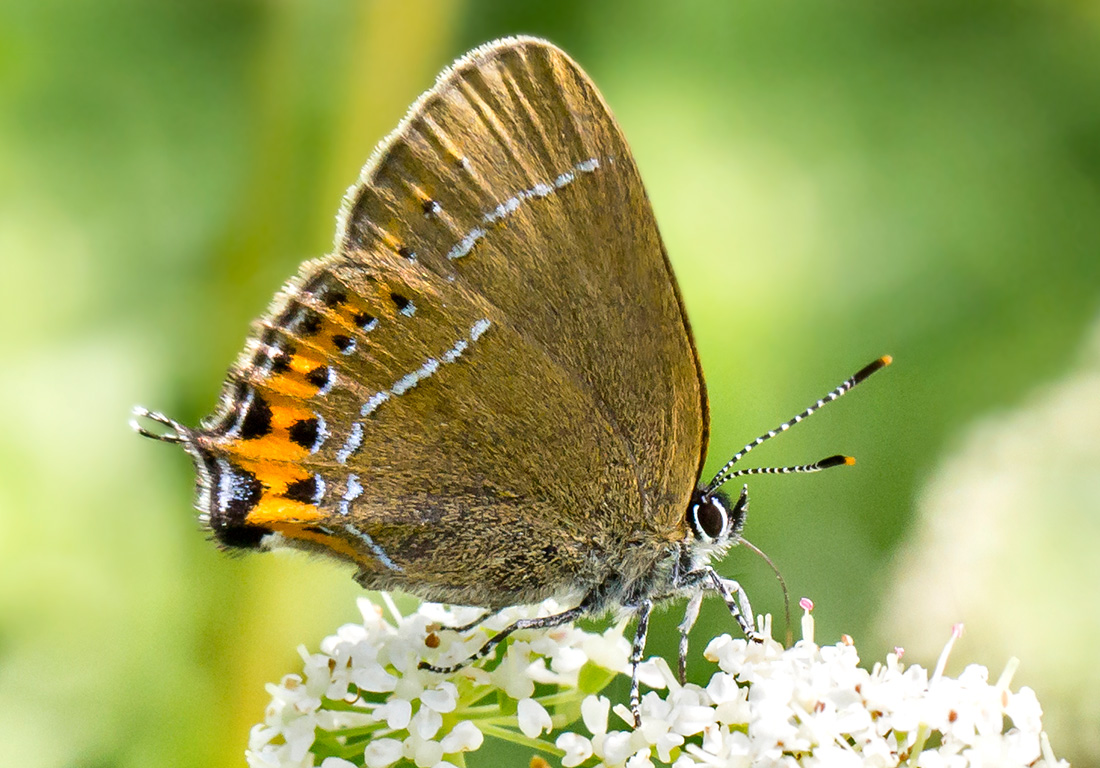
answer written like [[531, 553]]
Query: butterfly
[[488, 394]]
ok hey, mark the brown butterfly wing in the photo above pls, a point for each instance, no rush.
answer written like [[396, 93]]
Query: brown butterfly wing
[[489, 394]]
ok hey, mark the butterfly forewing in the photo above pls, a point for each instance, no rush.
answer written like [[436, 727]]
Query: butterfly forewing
[[530, 179], [482, 373]]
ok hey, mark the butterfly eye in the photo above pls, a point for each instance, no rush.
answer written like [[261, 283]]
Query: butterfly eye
[[709, 519]]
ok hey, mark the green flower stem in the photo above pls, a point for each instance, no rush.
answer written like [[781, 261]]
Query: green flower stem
[[923, 732], [505, 734], [563, 699], [363, 732]]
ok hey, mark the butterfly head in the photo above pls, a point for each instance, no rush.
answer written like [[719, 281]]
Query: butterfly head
[[714, 521]]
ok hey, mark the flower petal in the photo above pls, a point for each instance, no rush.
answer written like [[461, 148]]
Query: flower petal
[[533, 718]]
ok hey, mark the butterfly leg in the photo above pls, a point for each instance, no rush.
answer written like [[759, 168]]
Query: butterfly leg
[[543, 622], [645, 607], [737, 602], [691, 614], [476, 622]]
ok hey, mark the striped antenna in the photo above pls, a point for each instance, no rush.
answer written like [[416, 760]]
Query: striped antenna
[[724, 474], [817, 466]]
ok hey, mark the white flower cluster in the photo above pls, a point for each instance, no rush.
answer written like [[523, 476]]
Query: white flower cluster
[[364, 701], [815, 706]]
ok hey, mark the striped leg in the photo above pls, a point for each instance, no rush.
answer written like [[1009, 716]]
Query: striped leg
[[544, 622], [476, 622], [644, 609], [738, 604], [736, 600], [691, 614]]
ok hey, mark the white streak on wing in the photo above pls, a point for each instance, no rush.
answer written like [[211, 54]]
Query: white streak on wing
[[225, 481], [410, 380], [355, 439], [270, 352], [404, 384], [229, 486], [512, 204], [480, 327], [452, 354], [319, 489], [322, 433], [372, 405], [246, 403], [355, 489], [466, 244], [378, 551], [507, 207], [330, 380]]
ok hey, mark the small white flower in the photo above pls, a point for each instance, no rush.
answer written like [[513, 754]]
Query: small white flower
[[464, 737], [651, 675], [381, 753], [667, 742], [569, 660], [614, 748], [426, 723], [640, 759], [610, 650], [426, 754], [511, 676], [594, 711], [576, 747], [373, 677], [442, 698], [533, 718], [396, 712], [336, 762], [1024, 710], [299, 735]]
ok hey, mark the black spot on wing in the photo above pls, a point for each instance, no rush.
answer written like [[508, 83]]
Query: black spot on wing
[[241, 536], [309, 322], [281, 362], [319, 376], [256, 422], [401, 302], [343, 343], [305, 432], [234, 492], [333, 297], [305, 491]]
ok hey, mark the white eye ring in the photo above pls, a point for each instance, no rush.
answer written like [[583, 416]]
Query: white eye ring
[[701, 525]]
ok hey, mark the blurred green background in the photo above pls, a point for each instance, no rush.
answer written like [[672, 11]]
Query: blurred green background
[[834, 181]]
